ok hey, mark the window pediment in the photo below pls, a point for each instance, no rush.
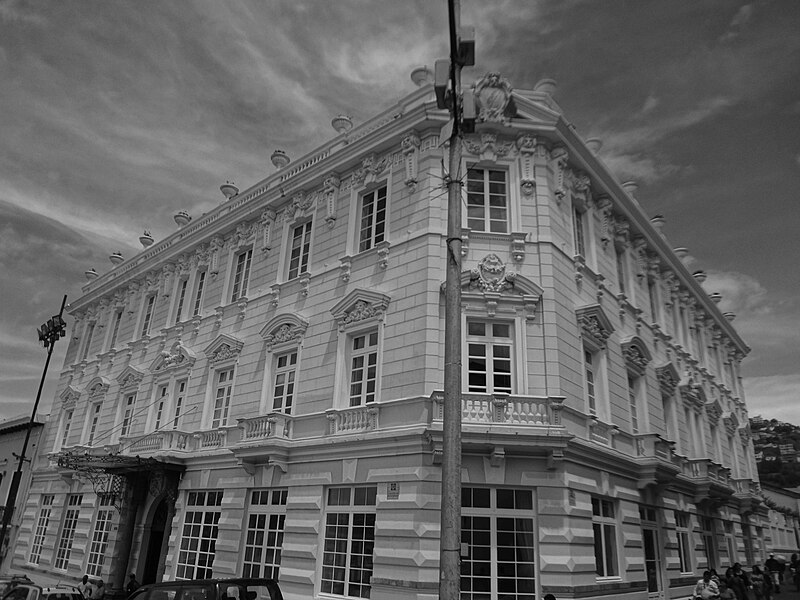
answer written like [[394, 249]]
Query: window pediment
[[491, 284], [636, 355], [360, 306], [595, 326], [714, 411], [731, 423], [130, 378], [284, 330], [667, 378], [177, 357], [224, 348], [69, 396], [97, 388]]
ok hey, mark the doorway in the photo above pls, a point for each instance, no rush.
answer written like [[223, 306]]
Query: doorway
[[652, 563], [154, 542]]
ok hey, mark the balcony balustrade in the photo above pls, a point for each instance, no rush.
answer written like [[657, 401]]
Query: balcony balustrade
[[503, 408]]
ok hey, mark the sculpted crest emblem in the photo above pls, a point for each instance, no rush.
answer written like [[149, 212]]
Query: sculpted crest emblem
[[491, 275], [493, 95]]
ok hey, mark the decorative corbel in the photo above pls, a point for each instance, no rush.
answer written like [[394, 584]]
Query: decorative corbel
[[580, 267], [497, 457], [410, 149], [604, 204], [559, 159], [276, 294], [526, 144], [218, 313], [345, 264], [518, 245], [216, 246], [305, 282], [640, 249], [382, 249], [266, 221], [330, 192], [241, 304]]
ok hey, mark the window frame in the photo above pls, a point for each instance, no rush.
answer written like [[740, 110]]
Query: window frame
[[88, 335], [127, 412], [290, 371], [486, 505], [229, 385], [66, 535], [491, 361], [366, 351], [511, 195], [148, 313], [102, 525], [181, 293], [43, 518], [209, 515], [241, 271], [373, 238], [93, 413], [198, 292], [331, 534], [608, 525], [261, 554], [683, 533], [305, 248], [115, 325]]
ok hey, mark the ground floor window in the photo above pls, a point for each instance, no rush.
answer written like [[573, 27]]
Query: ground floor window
[[497, 528], [199, 535], [684, 546], [99, 543], [349, 541], [604, 523], [42, 523], [264, 536], [64, 546]]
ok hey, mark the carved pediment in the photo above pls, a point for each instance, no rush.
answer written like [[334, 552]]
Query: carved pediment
[[491, 286], [714, 411], [97, 388], [130, 378], [731, 423], [692, 395], [595, 326], [69, 396], [177, 357], [667, 378], [284, 329], [360, 306], [224, 348], [636, 355]]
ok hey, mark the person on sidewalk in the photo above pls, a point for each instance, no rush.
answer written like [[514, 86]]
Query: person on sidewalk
[[760, 581], [774, 568], [705, 589], [85, 588]]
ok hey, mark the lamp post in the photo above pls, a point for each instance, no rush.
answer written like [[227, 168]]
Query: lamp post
[[49, 333]]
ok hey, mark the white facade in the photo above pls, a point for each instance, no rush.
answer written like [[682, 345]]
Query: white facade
[[265, 383]]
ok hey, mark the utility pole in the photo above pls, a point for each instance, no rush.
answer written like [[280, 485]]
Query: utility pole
[[49, 333], [450, 540]]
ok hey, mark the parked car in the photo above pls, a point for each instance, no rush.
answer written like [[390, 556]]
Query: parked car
[[30, 591], [208, 589], [9, 581]]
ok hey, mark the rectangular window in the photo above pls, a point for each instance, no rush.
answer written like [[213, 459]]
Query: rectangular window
[[180, 395], [489, 352], [241, 276], [633, 403], [94, 420], [684, 537], [198, 293], [181, 299], [67, 426], [497, 530], [148, 314], [99, 543], [349, 541], [222, 398], [605, 537], [487, 200], [199, 535], [578, 232], [707, 531], [363, 368], [127, 413], [42, 523], [87, 342], [590, 380], [300, 250], [652, 292], [264, 535], [115, 328], [161, 405], [64, 545], [373, 219], [283, 391]]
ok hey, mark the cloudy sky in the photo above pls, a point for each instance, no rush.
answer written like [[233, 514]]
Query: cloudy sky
[[114, 115]]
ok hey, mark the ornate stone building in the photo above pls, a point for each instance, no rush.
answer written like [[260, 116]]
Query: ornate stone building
[[260, 392]]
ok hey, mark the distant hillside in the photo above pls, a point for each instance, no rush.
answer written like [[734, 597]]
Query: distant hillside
[[776, 447]]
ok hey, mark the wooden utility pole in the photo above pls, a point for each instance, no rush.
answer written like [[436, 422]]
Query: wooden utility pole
[[450, 541]]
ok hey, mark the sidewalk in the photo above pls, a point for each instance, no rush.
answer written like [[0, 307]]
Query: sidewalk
[[787, 593]]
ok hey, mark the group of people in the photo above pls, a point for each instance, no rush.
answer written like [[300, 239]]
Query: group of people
[[737, 583], [91, 591]]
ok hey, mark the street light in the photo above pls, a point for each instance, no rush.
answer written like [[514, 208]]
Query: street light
[[49, 333]]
